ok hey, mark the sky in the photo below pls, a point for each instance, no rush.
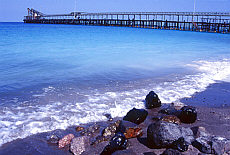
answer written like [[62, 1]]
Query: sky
[[15, 10]]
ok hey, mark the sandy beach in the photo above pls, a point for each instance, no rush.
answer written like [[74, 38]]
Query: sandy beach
[[213, 114]]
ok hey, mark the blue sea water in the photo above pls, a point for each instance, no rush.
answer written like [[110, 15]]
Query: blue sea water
[[55, 76]]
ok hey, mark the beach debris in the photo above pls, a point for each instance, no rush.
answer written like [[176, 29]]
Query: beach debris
[[163, 134], [188, 114], [79, 145], [180, 145], [171, 152], [152, 100], [79, 128], [53, 139], [133, 133], [118, 142], [108, 116], [136, 116], [171, 119], [65, 140]]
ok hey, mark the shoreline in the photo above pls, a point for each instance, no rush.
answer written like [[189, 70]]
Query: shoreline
[[214, 104]]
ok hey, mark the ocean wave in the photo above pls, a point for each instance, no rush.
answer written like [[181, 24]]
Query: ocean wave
[[27, 119]]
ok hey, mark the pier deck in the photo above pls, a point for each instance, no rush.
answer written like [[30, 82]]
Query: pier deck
[[218, 22]]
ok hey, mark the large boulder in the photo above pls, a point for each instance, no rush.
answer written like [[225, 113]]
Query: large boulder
[[152, 100], [188, 114], [136, 116], [163, 134], [79, 145], [118, 142]]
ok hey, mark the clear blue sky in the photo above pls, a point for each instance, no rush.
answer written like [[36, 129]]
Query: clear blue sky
[[14, 10]]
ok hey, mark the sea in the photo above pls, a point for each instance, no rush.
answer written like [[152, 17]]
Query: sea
[[56, 76]]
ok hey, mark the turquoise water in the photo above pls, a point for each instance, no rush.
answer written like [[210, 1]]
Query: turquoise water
[[52, 74]]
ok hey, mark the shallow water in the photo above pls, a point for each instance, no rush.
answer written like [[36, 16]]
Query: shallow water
[[54, 76]]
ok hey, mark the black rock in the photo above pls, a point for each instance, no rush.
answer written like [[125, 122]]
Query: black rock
[[188, 114], [163, 134], [136, 116], [171, 152], [152, 100], [108, 116], [118, 142], [180, 145]]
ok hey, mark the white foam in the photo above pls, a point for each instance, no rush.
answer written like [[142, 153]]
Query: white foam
[[22, 121]]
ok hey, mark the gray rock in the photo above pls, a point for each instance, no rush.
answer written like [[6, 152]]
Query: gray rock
[[187, 134], [223, 142], [163, 134], [212, 145], [200, 132], [79, 145]]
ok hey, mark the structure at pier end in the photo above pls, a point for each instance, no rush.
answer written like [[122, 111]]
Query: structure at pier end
[[218, 22]]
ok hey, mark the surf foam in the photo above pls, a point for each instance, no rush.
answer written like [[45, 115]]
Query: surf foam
[[24, 120]]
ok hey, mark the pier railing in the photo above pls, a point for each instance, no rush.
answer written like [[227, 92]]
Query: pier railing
[[188, 21]]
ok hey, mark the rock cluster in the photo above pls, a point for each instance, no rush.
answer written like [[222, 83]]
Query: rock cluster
[[162, 130]]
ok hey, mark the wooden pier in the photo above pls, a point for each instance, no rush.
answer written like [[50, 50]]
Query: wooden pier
[[218, 22]]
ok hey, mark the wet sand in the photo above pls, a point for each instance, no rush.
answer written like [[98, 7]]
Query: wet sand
[[213, 106]]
